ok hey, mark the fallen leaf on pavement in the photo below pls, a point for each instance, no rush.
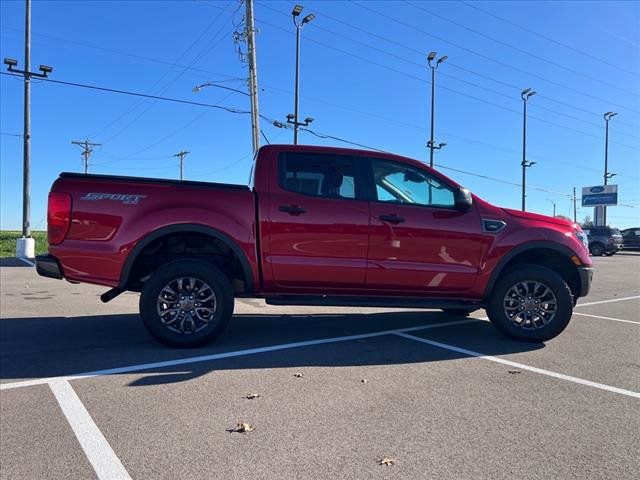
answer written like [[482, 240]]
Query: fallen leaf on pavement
[[514, 372], [364, 380], [387, 461], [251, 396], [241, 428], [298, 375]]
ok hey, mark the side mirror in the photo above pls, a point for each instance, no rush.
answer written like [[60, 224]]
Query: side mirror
[[463, 199]]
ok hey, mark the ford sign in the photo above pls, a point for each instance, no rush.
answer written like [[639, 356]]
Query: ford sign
[[599, 195]]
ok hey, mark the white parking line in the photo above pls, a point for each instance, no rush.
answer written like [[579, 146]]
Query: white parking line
[[218, 356], [522, 366], [100, 454], [606, 318], [607, 301]]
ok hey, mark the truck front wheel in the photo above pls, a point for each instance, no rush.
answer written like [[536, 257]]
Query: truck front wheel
[[530, 303], [186, 303]]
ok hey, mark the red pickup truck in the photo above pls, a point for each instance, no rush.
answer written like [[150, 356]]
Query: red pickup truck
[[318, 226]]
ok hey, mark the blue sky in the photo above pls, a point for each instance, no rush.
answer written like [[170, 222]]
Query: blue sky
[[363, 78]]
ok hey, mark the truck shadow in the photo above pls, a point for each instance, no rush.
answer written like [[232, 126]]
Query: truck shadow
[[54, 346]]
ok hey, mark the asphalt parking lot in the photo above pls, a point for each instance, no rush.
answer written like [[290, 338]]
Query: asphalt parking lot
[[86, 393]]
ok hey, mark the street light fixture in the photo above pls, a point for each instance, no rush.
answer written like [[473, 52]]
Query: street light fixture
[[198, 88], [293, 118], [526, 94], [554, 205], [433, 66]]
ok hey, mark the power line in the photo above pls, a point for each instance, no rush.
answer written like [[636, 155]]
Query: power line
[[421, 65], [464, 94], [238, 79], [128, 54], [162, 90], [518, 49], [270, 120], [449, 62], [549, 39], [138, 94], [486, 57]]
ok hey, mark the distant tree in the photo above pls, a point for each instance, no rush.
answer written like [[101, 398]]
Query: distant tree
[[587, 222]]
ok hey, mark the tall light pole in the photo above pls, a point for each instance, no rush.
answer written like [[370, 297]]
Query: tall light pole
[[525, 95], [25, 246], [431, 144], [293, 118], [554, 206], [607, 174]]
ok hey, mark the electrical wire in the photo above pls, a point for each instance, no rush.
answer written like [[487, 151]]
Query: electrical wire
[[464, 94], [475, 6], [518, 49], [490, 59], [138, 94], [449, 63], [502, 94]]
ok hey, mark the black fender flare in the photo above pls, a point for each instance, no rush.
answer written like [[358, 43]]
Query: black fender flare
[[499, 268], [194, 228]]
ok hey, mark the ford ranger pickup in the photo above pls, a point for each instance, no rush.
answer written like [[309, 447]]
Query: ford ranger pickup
[[317, 226]]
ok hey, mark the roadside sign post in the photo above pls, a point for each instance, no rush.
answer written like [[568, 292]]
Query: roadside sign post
[[599, 197]]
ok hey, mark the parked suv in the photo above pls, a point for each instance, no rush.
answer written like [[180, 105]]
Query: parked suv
[[631, 238], [603, 240]]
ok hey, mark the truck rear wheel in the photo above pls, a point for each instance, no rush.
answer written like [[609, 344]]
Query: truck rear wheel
[[186, 303], [530, 303]]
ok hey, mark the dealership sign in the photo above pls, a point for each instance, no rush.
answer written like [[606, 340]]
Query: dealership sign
[[599, 195]]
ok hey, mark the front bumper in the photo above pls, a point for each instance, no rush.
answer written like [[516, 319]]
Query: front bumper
[[48, 266], [586, 276], [615, 247]]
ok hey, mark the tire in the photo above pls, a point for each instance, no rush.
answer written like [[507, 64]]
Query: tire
[[186, 323], [596, 249], [518, 316], [610, 254], [459, 312]]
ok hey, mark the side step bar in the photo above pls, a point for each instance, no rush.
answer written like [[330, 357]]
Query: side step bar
[[379, 302]]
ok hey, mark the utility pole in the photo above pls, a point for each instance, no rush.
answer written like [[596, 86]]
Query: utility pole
[[253, 75], [431, 144], [87, 150], [25, 246], [607, 174], [575, 217], [293, 117], [181, 155], [525, 95]]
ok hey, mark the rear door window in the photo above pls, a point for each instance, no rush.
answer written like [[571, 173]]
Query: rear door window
[[319, 175]]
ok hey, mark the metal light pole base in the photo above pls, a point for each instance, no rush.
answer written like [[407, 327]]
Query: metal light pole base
[[26, 248]]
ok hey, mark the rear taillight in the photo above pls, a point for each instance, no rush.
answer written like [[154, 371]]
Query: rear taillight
[[58, 217]]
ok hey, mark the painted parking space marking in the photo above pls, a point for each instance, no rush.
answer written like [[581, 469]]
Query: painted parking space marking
[[98, 451], [522, 366], [218, 356], [606, 318], [607, 301]]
